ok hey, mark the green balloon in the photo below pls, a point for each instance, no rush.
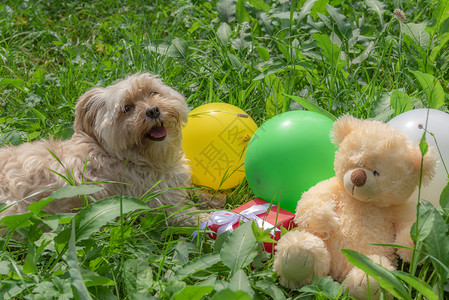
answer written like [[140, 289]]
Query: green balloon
[[289, 154]]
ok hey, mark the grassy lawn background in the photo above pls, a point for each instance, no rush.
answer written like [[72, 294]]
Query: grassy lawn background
[[334, 56]]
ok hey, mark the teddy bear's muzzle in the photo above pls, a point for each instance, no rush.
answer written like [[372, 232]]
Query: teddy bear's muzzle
[[361, 184]]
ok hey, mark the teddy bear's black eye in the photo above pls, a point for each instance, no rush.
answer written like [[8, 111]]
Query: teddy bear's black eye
[[127, 108], [375, 173]]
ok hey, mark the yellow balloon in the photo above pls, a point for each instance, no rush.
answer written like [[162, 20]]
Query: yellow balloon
[[215, 141]]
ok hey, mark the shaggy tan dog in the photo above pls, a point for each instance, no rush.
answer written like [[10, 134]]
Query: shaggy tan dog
[[129, 132]]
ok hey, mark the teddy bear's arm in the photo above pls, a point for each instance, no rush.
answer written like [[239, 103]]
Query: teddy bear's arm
[[404, 216], [315, 212]]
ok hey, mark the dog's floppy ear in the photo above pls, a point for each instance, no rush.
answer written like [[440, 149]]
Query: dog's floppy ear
[[86, 111], [342, 127]]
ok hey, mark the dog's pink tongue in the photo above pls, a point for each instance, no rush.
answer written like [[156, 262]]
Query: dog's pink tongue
[[158, 132]]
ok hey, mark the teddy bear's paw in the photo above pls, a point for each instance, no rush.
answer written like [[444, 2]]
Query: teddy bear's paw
[[299, 255], [297, 265], [357, 283], [316, 216]]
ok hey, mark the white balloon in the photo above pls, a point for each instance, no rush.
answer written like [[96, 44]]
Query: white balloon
[[437, 124]]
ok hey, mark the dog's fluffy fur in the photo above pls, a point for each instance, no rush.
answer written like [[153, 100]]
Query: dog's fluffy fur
[[129, 132]]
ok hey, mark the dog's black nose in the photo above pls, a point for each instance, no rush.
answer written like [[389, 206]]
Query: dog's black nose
[[153, 112]]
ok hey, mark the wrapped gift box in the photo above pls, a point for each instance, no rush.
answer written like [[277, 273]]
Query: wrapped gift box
[[266, 215]]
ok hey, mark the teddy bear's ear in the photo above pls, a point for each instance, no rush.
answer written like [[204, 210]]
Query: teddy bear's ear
[[429, 163], [342, 127]]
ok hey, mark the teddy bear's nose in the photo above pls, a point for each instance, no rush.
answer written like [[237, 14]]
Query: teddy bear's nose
[[358, 177]]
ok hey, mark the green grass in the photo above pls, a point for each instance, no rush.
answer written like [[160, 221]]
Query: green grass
[[347, 57]]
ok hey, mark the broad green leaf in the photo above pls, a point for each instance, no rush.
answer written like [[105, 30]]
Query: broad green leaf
[[182, 252], [270, 289], [275, 105], [315, 26], [80, 288], [73, 191], [381, 109], [378, 7], [240, 248], [444, 39], [17, 221], [437, 244], [98, 214], [272, 70], [423, 146], [425, 65], [210, 281], [11, 290], [30, 262], [137, 276], [325, 20], [193, 292], [432, 88], [95, 280], [235, 62], [425, 222], [329, 287], [240, 282], [444, 198], [276, 102], [312, 289], [17, 83], [261, 5], [241, 12], [384, 277], [243, 40], [178, 48], [174, 287], [224, 33], [195, 26], [227, 294], [329, 50], [400, 102], [263, 53], [226, 10], [418, 34], [200, 263], [57, 288], [15, 138], [64, 192], [417, 283], [5, 267], [54, 220], [306, 9], [38, 75], [365, 54], [319, 7], [440, 14], [342, 22], [312, 107]]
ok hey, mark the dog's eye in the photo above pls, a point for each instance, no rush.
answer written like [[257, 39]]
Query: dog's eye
[[127, 108], [375, 173]]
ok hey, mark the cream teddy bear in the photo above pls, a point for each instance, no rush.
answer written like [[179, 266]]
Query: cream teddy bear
[[377, 169]]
